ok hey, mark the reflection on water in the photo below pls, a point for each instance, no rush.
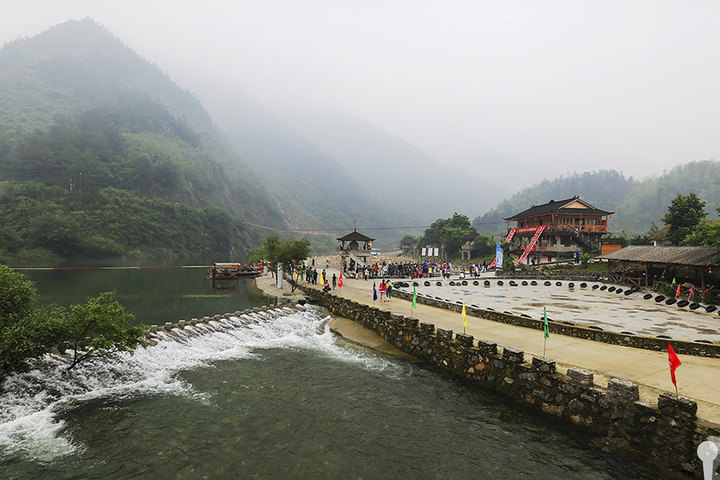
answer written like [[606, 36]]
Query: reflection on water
[[152, 295]]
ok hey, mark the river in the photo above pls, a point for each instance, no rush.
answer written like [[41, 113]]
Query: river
[[279, 398]]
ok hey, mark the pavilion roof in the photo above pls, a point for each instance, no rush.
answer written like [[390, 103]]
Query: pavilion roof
[[356, 236], [560, 206], [688, 256]]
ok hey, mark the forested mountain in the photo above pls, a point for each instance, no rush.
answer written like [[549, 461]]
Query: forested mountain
[[604, 189], [405, 178], [637, 204], [315, 191], [101, 154]]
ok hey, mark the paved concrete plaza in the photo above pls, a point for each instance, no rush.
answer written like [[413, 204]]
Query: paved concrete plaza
[[609, 310]]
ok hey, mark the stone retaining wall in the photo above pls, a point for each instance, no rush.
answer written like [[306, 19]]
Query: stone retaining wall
[[664, 436], [572, 330]]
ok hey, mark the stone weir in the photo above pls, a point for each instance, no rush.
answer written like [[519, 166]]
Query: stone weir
[[216, 323], [664, 436]]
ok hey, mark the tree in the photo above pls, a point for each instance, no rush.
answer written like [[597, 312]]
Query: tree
[[683, 215], [275, 252], [508, 264], [408, 243], [448, 232], [98, 327], [705, 234]]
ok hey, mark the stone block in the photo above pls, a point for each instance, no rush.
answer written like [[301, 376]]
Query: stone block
[[622, 391], [581, 377], [487, 348], [544, 365], [464, 340], [153, 328], [181, 323], [671, 405], [193, 321], [444, 334], [513, 356], [206, 319], [168, 326]]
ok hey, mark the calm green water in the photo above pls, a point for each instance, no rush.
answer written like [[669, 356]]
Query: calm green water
[[155, 296], [278, 397]]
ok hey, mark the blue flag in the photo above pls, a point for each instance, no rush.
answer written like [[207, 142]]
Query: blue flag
[[374, 292]]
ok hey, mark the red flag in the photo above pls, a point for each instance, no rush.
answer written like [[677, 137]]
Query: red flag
[[678, 291], [674, 363], [340, 280]]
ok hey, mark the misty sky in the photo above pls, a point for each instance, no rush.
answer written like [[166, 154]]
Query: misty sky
[[512, 90]]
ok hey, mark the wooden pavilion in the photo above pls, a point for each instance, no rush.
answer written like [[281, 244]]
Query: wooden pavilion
[[354, 249]]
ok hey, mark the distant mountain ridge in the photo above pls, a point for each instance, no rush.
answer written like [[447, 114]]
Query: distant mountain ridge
[[637, 204], [86, 125]]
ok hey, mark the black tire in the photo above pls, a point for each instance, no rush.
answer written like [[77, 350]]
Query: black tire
[[694, 306], [710, 308], [533, 283], [619, 290], [670, 301], [629, 292], [611, 289], [595, 287], [647, 296], [464, 282], [486, 283], [513, 283], [416, 284], [558, 284], [547, 283], [524, 283], [603, 288], [451, 283], [660, 298], [571, 285], [476, 283], [438, 284], [426, 283], [501, 283], [683, 303], [583, 285]]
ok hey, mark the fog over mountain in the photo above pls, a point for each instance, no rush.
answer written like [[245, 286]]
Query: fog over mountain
[[512, 91]]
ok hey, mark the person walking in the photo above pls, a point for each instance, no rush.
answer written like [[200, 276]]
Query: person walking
[[334, 281], [389, 287], [383, 289]]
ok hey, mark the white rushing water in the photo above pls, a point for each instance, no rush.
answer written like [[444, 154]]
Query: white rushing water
[[32, 399]]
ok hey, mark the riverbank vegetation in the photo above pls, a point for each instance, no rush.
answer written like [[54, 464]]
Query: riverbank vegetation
[[98, 327], [274, 252]]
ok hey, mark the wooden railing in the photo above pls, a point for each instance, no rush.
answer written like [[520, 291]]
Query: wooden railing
[[565, 227]]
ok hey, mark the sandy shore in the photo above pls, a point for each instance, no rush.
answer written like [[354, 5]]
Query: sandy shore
[[349, 330]]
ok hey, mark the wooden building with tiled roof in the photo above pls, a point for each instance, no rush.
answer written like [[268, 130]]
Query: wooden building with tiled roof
[[557, 230]]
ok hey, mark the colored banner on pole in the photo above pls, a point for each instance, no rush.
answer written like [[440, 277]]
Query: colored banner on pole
[[674, 363], [464, 315], [498, 255]]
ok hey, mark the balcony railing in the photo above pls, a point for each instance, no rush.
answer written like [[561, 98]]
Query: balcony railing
[[564, 228]]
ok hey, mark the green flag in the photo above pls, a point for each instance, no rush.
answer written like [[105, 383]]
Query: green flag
[[547, 328], [414, 304]]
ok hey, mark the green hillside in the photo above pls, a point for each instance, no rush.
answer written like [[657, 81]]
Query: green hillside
[[101, 154], [637, 204]]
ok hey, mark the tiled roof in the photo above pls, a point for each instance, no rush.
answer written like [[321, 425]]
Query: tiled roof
[[692, 256], [358, 237], [556, 207]]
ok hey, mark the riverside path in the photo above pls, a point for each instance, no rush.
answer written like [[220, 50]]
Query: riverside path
[[697, 376]]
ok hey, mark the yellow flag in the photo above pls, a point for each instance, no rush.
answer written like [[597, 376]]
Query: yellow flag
[[464, 316]]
